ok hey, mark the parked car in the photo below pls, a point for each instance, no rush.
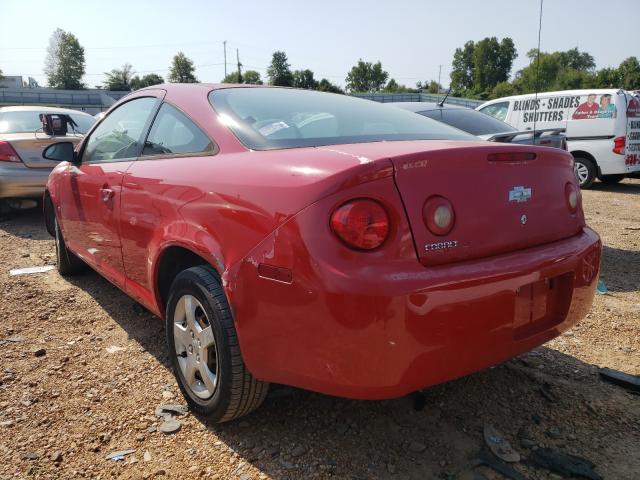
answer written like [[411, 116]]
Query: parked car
[[23, 171], [599, 123], [321, 241], [485, 126]]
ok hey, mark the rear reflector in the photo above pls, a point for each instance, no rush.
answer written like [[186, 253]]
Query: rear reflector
[[511, 156], [618, 145], [7, 153], [438, 215], [362, 224], [272, 272]]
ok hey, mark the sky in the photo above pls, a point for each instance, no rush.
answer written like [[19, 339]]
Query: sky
[[415, 40]]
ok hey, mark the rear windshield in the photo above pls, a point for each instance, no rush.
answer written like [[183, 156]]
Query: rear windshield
[[473, 122], [274, 118], [22, 122]]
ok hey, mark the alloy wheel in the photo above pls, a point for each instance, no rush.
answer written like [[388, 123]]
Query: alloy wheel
[[195, 347], [582, 172]]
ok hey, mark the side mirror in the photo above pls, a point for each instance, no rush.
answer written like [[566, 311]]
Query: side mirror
[[60, 152]]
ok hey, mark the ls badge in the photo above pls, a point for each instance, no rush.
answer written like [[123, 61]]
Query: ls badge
[[519, 194]]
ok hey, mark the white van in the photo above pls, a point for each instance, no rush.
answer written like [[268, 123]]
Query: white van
[[602, 127]]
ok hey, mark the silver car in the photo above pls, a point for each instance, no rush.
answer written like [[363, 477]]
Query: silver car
[[24, 133]]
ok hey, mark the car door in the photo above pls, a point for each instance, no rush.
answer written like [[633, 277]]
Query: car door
[[90, 197], [155, 189]]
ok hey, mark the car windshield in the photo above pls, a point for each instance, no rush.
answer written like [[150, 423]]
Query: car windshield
[[274, 118], [473, 122], [29, 121]]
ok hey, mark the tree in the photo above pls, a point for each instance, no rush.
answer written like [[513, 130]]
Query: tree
[[250, 77], [629, 71], [577, 60], [607, 78], [146, 81], [503, 89], [182, 70], [120, 79], [279, 72], [1, 75], [304, 79], [326, 86], [64, 63], [479, 67], [366, 77]]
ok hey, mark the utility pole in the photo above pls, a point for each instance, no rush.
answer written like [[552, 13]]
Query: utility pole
[[239, 65], [225, 58]]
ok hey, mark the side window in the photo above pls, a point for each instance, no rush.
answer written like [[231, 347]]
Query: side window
[[435, 114], [497, 110], [120, 133], [173, 133]]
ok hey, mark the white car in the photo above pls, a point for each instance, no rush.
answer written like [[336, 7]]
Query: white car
[[602, 127]]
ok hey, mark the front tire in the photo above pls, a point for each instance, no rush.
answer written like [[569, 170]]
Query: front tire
[[204, 350], [585, 170], [612, 179], [67, 262]]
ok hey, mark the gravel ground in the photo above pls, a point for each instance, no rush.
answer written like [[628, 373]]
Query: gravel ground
[[84, 369]]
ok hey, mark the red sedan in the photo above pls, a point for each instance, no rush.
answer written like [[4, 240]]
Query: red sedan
[[321, 241]]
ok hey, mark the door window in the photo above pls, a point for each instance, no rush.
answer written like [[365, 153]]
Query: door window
[[120, 133], [173, 133], [497, 110]]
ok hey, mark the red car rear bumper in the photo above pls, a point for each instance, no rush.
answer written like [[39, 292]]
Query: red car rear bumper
[[384, 331]]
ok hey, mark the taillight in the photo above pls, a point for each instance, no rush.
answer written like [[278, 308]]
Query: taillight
[[438, 215], [362, 224], [7, 153], [572, 196], [618, 145]]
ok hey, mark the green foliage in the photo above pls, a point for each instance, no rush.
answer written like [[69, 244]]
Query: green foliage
[[304, 79], [250, 76], [479, 67], [629, 71], [146, 81], [182, 70], [503, 89], [279, 72], [366, 77], [607, 78], [1, 75], [64, 63], [326, 86], [393, 87], [431, 86], [120, 79]]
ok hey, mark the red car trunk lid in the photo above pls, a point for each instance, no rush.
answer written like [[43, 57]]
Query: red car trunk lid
[[504, 198]]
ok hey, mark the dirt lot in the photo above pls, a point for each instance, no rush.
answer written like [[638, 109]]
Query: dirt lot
[[103, 372]]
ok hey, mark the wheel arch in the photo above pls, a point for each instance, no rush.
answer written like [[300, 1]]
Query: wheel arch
[[588, 156], [49, 213], [172, 259]]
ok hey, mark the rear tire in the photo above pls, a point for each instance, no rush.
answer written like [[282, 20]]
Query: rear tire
[[67, 262], [204, 350], [585, 170], [612, 179]]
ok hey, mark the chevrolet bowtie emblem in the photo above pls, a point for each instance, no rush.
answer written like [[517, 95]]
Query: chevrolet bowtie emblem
[[519, 194]]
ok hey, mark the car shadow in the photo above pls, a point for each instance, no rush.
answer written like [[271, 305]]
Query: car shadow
[[298, 434], [627, 186], [25, 224], [619, 269]]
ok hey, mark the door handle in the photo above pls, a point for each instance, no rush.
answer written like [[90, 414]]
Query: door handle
[[106, 194]]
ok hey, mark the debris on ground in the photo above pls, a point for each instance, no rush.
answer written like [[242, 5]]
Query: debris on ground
[[601, 288], [30, 270], [563, 464], [630, 382], [169, 426], [120, 454], [488, 460], [499, 445]]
